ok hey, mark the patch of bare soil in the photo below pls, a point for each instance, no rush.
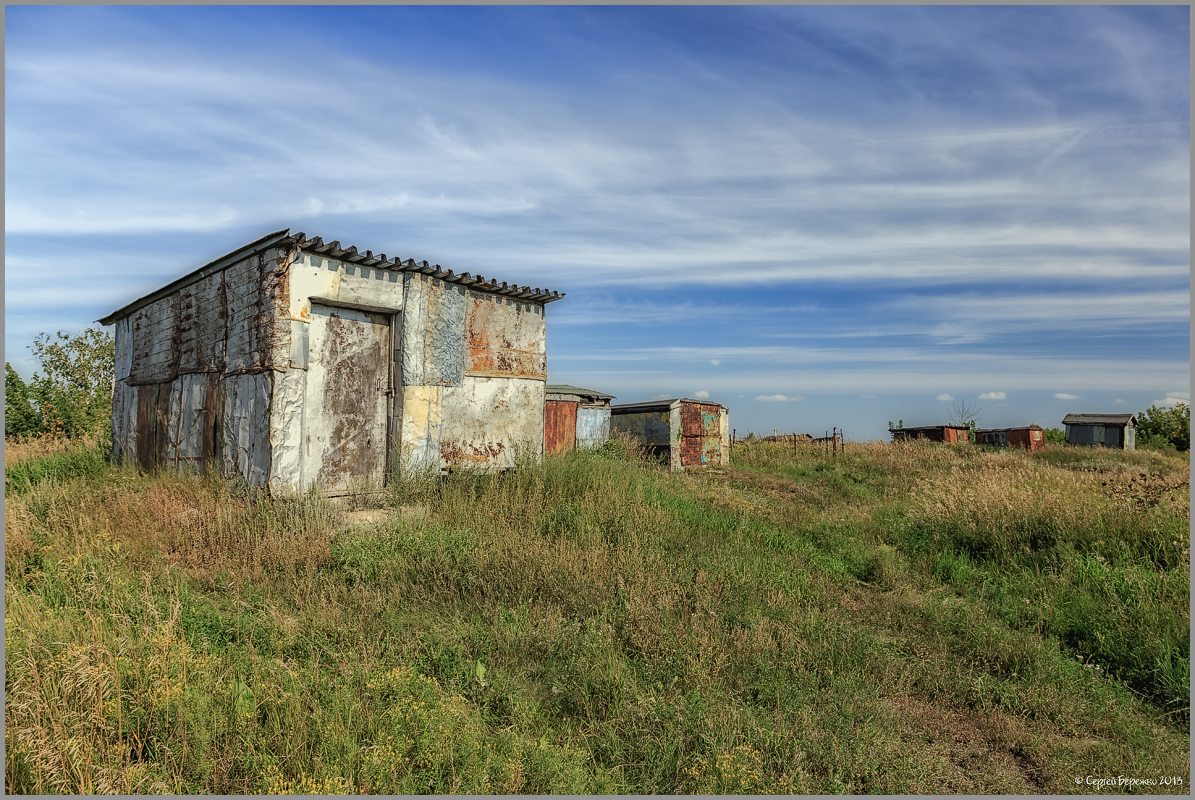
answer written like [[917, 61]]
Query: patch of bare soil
[[974, 753]]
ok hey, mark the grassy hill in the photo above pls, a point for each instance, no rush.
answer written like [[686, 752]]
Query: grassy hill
[[909, 618]]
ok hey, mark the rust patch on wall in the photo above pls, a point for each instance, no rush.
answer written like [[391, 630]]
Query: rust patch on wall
[[464, 451], [504, 338], [701, 441]]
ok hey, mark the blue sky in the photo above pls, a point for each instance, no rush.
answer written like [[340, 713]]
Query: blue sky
[[819, 216]]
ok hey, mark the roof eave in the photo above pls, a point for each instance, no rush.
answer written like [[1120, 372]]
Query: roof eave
[[333, 250]]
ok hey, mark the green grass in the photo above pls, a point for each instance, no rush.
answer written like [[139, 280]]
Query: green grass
[[83, 462], [899, 619]]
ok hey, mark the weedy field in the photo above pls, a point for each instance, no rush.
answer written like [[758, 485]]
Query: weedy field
[[910, 618]]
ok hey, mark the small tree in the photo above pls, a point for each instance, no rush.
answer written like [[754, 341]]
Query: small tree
[[73, 394], [967, 416]]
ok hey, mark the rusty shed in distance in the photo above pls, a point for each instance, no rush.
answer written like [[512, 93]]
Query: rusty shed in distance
[[296, 363], [951, 434], [575, 417], [1029, 437], [1117, 431], [691, 433]]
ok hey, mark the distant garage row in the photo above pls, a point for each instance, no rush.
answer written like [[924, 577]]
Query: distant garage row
[[293, 363]]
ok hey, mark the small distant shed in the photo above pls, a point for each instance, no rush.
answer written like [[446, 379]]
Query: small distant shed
[[692, 433], [950, 434], [297, 363], [1104, 430], [1029, 437], [575, 417]]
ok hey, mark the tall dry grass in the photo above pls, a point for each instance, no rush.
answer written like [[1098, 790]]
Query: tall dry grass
[[791, 623]]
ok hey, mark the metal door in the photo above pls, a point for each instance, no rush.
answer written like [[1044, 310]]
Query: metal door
[[560, 425], [1112, 437], [348, 378], [701, 435]]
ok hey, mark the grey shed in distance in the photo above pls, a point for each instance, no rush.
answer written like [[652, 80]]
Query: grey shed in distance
[[1102, 430]]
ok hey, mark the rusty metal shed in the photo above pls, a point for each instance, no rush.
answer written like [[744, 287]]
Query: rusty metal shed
[[691, 433], [1029, 437], [951, 434], [1117, 431], [575, 417], [295, 362]]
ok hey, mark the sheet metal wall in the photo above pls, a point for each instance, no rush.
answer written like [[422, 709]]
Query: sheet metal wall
[[1029, 438], [1113, 436], [474, 367], [193, 383]]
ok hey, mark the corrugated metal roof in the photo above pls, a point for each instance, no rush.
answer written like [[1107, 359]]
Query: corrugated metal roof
[[650, 405], [563, 389], [353, 256], [334, 250], [1100, 419]]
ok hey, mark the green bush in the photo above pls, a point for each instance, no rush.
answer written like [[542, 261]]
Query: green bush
[[1161, 427]]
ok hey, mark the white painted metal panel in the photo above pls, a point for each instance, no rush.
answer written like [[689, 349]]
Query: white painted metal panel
[[433, 333], [420, 429], [286, 432], [370, 286], [593, 426], [487, 420]]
